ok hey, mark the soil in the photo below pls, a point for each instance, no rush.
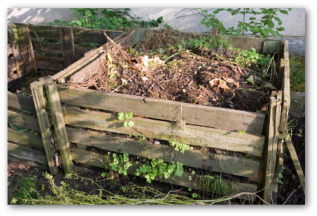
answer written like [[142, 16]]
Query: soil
[[291, 192]]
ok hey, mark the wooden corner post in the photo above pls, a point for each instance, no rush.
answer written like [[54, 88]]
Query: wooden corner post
[[45, 126], [59, 126], [52, 126]]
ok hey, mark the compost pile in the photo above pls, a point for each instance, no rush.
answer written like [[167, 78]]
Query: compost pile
[[183, 71]]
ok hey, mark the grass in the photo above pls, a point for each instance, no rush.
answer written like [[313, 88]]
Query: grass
[[297, 73]]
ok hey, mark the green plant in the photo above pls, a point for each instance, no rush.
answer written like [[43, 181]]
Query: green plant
[[216, 185], [280, 175], [246, 57], [158, 168], [107, 18], [206, 42], [117, 163], [125, 116], [26, 190], [180, 146], [297, 73], [264, 25]]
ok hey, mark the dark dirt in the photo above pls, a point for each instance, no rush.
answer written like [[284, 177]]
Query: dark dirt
[[291, 192]]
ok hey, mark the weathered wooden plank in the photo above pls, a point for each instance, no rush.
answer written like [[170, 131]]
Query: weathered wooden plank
[[271, 46], [49, 63], [40, 104], [279, 165], [68, 47], [23, 120], [43, 46], [26, 153], [227, 119], [26, 48], [189, 134], [285, 89], [212, 162], [271, 152], [89, 70], [21, 102], [295, 160], [59, 126], [26, 139], [12, 159], [197, 182], [93, 35], [11, 65], [44, 31], [13, 37]]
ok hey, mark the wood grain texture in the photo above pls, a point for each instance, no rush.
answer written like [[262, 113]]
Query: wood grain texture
[[13, 38], [40, 104], [21, 102], [211, 162], [49, 63], [26, 153], [190, 134], [67, 45], [88, 71], [270, 153], [23, 120], [57, 119], [221, 118], [25, 139], [26, 48]]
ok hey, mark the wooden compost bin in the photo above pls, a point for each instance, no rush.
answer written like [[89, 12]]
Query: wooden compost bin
[[66, 114]]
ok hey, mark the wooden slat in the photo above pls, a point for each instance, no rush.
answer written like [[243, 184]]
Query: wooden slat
[[227, 119], [26, 139], [21, 102], [42, 31], [43, 46], [68, 47], [93, 36], [97, 160], [49, 63], [11, 65], [26, 48], [285, 89], [59, 126], [13, 38], [296, 162], [40, 104], [194, 135], [23, 120], [26, 153], [271, 152], [217, 163], [89, 70]]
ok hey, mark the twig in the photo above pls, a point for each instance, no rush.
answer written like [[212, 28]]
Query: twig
[[289, 197], [123, 83], [116, 45], [170, 57]]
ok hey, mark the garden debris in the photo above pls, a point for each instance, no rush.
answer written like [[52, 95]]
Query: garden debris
[[197, 76]]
